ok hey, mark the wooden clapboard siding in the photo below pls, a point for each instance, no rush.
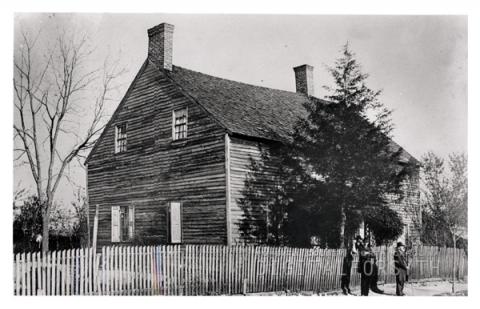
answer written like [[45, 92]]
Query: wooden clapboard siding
[[242, 153], [156, 170], [408, 208]]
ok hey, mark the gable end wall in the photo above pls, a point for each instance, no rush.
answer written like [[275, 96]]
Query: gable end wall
[[156, 170]]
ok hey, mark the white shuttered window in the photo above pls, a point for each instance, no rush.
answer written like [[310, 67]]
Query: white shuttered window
[[176, 222], [131, 221], [115, 223], [123, 223]]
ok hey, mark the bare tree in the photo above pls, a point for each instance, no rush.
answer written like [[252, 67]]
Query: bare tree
[[51, 92], [79, 205], [446, 196]]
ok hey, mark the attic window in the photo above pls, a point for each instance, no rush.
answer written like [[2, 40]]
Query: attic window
[[179, 130], [121, 138]]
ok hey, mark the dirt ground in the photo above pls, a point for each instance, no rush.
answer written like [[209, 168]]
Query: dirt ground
[[424, 288], [427, 288]]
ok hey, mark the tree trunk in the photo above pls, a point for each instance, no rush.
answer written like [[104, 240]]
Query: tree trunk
[[343, 220], [45, 226]]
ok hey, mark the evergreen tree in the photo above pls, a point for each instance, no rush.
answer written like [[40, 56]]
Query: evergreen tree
[[345, 150], [339, 169]]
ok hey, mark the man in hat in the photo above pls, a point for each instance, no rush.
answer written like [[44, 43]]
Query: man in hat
[[347, 268], [401, 268], [365, 263]]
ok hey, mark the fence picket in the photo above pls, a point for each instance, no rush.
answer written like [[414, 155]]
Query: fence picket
[[128, 271], [178, 268], [307, 261], [16, 277], [54, 273], [141, 256], [22, 274], [115, 272], [105, 270], [157, 269], [86, 263], [149, 270], [158, 263], [87, 271], [61, 272], [121, 270], [91, 271], [42, 279], [34, 273], [40, 273], [28, 270], [68, 272], [117, 255], [110, 271]]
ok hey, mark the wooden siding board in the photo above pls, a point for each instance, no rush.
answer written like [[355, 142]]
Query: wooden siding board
[[156, 170], [242, 152]]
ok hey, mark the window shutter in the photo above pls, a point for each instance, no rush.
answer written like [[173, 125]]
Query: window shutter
[[175, 223], [115, 223], [131, 221], [116, 140]]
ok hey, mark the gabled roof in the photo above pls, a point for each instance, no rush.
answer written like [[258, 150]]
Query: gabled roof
[[243, 109], [250, 110]]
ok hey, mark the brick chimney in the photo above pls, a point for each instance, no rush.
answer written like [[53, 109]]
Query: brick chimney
[[304, 79], [160, 45]]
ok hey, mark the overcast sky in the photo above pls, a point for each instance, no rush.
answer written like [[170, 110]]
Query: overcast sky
[[420, 62]]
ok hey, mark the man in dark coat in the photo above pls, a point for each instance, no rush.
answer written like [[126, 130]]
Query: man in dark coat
[[365, 267], [374, 278], [401, 268], [347, 271]]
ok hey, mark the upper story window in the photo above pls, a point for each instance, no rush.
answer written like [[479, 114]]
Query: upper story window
[[121, 138], [179, 130]]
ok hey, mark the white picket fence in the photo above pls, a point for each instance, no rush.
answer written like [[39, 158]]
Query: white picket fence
[[208, 269]]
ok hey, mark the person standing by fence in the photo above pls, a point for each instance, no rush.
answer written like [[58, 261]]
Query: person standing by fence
[[365, 266], [401, 268], [374, 277], [347, 270]]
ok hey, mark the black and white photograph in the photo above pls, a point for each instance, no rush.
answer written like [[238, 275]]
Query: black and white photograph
[[164, 154]]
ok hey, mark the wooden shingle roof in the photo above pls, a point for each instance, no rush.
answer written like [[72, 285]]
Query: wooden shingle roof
[[250, 110], [241, 108]]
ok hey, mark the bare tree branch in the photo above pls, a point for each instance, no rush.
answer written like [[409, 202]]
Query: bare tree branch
[[47, 96]]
